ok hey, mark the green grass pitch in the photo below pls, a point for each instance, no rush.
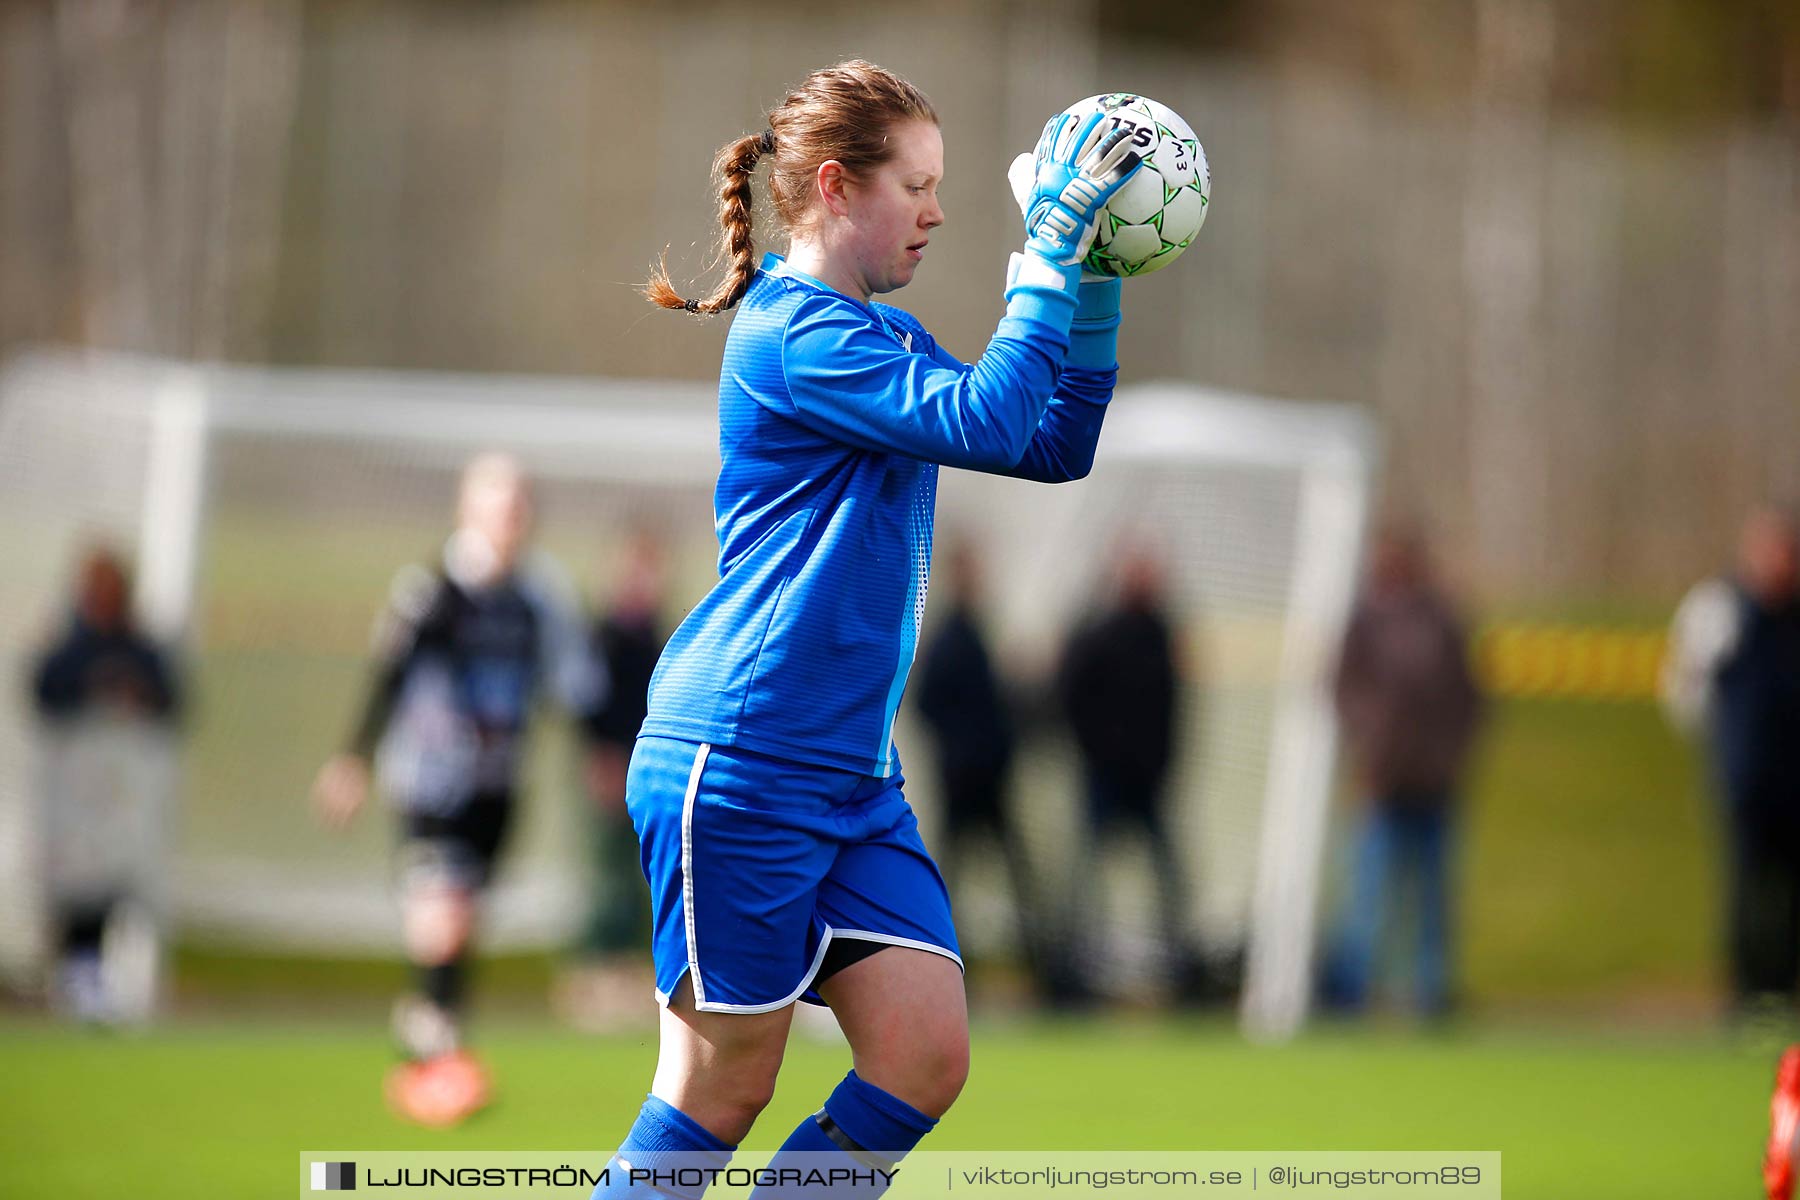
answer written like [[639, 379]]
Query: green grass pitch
[[222, 1109], [1588, 884]]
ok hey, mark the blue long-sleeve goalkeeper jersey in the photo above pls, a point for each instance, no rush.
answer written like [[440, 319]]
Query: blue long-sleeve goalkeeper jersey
[[834, 416]]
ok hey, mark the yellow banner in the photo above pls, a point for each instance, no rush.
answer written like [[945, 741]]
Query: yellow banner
[[1569, 661]]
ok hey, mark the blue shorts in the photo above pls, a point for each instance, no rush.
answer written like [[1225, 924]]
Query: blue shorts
[[757, 864]]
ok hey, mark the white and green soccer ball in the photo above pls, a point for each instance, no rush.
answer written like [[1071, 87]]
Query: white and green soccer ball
[[1148, 223]]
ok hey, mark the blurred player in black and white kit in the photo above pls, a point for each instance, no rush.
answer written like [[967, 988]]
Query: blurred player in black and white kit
[[107, 701], [1733, 672], [461, 655]]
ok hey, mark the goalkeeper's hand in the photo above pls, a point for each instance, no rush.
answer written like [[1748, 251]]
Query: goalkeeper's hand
[[1061, 188], [1093, 340], [1022, 177]]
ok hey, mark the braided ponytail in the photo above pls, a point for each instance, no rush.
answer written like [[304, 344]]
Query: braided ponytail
[[732, 167], [840, 113]]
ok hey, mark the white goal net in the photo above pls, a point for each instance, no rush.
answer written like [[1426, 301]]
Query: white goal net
[[268, 510]]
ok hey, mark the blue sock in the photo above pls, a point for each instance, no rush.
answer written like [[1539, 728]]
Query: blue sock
[[668, 1141], [861, 1133]]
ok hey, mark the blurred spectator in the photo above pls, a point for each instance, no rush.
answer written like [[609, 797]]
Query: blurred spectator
[[103, 664], [1119, 686], [613, 986], [964, 706], [1409, 710], [1733, 670], [107, 700], [460, 656]]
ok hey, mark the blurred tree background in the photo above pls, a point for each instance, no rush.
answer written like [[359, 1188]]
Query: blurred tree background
[[1555, 244]]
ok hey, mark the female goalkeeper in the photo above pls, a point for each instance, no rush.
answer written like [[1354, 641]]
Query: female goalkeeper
[[784, 862]]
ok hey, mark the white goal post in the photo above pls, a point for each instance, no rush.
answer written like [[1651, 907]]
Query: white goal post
[[267, 509]]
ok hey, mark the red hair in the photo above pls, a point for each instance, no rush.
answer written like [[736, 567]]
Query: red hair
[[844, 113]]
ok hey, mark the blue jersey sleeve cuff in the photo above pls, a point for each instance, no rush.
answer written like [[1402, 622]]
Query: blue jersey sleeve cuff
[[1094, 334]]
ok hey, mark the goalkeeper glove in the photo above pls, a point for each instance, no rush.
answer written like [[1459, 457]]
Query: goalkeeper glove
[[1094, 336], [1022, 178], [1078, 165]]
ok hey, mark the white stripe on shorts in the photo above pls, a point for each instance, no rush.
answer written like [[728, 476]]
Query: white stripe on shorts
[[687, 906], [687, 869]]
